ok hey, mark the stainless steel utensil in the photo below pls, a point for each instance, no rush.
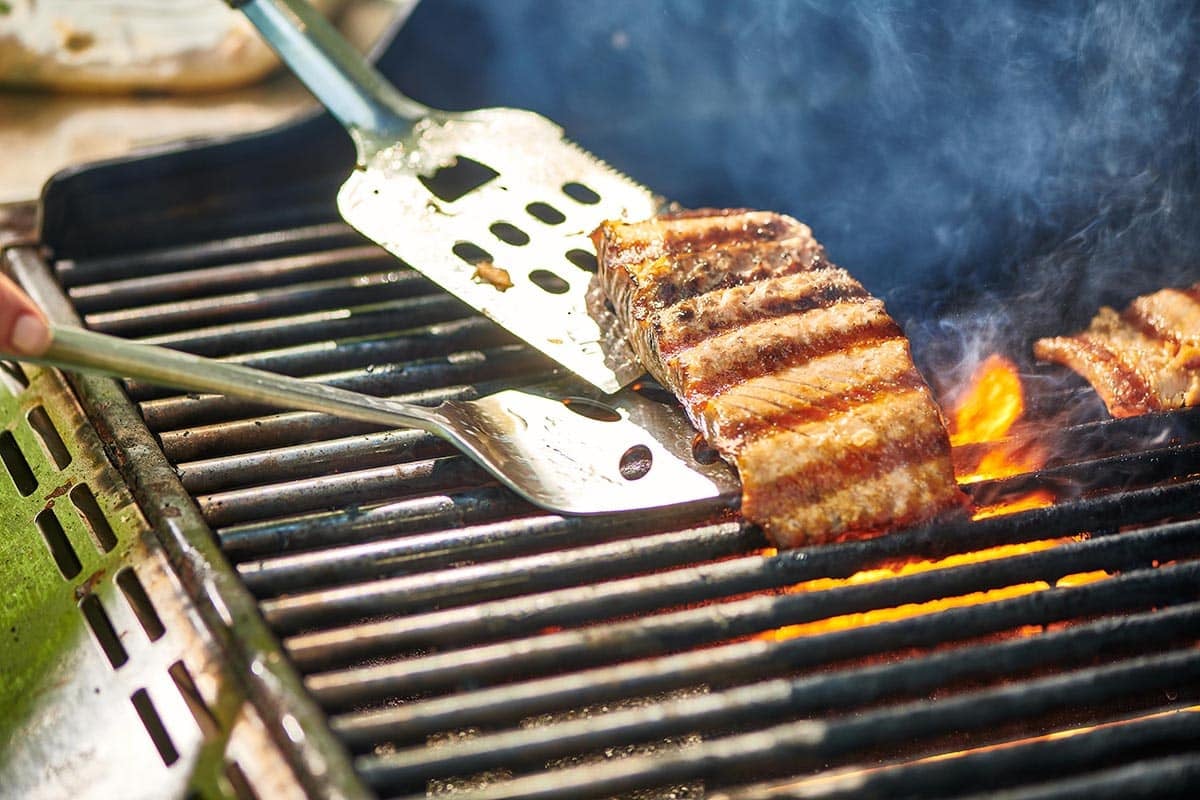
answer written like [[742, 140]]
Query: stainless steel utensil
[[493, 205], [556, 448]]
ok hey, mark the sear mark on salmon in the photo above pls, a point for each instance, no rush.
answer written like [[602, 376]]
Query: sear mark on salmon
[[789, 368]]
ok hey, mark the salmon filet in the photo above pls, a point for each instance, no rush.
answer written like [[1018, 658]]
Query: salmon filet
[[1141, 360], [790, 369]]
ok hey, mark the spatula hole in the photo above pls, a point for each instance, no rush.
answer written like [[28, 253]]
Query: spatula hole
[[580, 193], [458, 179], [592, 409], [546, 213], [702, 452], [471, 253], [636, 462], [548, 281], [583, 259], [509, 234]]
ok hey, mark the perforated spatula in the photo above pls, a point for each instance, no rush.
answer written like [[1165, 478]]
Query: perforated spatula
[[493, 205], [566, 453]]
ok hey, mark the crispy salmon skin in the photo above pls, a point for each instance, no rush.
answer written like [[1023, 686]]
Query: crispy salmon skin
[[792, 371], [1141, 360]]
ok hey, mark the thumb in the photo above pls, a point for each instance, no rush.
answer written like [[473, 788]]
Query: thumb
[[23, 328]]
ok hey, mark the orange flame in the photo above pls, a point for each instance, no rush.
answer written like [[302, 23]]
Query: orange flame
[[983, 421], [876, 616], [991, 405]]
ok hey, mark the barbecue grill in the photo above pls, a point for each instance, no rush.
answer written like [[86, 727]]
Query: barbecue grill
[[266, 604]]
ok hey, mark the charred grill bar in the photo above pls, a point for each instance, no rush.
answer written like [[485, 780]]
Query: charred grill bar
[[457, 637]]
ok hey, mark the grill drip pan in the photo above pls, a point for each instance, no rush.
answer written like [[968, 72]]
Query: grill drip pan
[[440, 635]]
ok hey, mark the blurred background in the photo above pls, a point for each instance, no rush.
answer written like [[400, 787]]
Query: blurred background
[[946, 153], [83, 80]]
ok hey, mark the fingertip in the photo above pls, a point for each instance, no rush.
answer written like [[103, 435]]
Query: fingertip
[[29, 336]]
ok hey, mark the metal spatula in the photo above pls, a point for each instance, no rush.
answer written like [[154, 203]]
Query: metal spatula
[[493, 205], [558, 450]]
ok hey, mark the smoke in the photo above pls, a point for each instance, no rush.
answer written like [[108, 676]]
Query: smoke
[[1012, 163]]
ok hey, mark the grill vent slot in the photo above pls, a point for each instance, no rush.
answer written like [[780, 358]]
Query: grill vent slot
[[12, 376], [60, 546], [195, 701], [102, 629], [40, 421], [238, 782], [18, 468], [139, 601], [154, 726], [93, 515]]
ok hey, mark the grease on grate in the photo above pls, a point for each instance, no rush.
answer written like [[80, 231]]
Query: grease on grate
[[693, 790]]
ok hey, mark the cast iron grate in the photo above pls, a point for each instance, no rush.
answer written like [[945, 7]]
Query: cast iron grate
[[461, 639]]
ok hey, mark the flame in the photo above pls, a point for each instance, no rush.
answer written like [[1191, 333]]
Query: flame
[[1036, 499], [988, 409], [983, 421], [876, 616]]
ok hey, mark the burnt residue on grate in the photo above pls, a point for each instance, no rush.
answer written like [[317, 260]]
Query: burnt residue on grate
[[460, 638]]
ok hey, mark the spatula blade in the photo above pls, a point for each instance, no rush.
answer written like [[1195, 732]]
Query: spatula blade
[[516, 246]]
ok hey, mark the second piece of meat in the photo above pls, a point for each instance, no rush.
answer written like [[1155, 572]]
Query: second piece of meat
[[1144, 359]]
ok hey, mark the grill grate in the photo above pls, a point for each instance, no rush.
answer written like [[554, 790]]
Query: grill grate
[[458, 637]]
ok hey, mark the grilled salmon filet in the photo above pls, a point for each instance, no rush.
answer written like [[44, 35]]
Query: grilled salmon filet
[[1143, 359], [790, 369]]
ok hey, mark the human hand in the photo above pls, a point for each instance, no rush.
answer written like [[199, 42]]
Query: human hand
[[23, 327]]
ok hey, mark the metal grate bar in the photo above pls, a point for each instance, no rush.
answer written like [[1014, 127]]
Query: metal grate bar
[[361, 486], [1174, 776], [309, 460], [181, 315], [837, 693], [1126, 471], [143, 290], [528, 614], [836, 561], [172, 413], [259, 246], [471, 584], [610, 643], [311, 358], [314, 326], [430, 527], [802, 745], [758, 658], [487, 543], [1006, 766], [283, 429]]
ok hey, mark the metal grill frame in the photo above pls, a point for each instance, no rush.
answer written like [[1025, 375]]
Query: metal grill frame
[[227, 633]]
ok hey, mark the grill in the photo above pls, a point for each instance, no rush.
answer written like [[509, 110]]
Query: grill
[[398, 624]]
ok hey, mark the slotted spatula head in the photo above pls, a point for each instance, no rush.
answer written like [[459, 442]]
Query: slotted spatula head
[[493, 205]]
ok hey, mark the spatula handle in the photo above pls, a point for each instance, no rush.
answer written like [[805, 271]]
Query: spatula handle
[[353, 90], [86, 351]]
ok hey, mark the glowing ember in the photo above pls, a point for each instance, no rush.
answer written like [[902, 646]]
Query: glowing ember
[[1038, 499], [876, 616]]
